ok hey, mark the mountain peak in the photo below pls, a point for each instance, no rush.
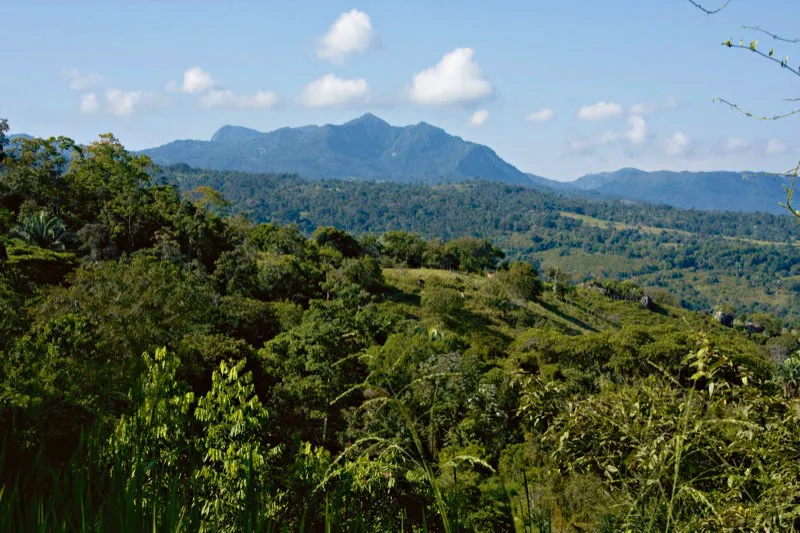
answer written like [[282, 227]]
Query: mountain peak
[[367, 118], [230, 133], [366, 147]]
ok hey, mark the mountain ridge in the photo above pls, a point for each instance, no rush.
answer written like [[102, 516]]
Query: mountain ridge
[[721, 190], [366, 147]]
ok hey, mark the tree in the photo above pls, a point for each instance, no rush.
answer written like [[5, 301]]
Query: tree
[[236, 463], [340, 241], [404, 248], [521, 280], [3, 138], [474, 255], [34, 174], [109, 185], [151, 443]]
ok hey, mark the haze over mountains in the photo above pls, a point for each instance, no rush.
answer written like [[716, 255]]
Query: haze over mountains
[[370, 148]]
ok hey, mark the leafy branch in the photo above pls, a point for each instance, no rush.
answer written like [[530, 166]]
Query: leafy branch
[[753, 47], [749, 114], [784, 63], [774, 36], [789, 204], [710, 11]]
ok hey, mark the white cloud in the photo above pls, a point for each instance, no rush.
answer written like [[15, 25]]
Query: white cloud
[[479, 118], [89, 103], [775, 147], [637, 134], [678, 144], [195, 80], [223, 98], [351, 33], [78, 81], [648, 109], [329, 91], [455, 79], [599, 111], [122, 103], [541, 116], [736, 145]]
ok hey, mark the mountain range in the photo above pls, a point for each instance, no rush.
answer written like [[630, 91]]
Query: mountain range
[[709, 191], [364, 148], [368, 148]]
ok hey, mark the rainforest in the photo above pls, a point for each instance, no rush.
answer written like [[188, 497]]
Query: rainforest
[[170, 364]]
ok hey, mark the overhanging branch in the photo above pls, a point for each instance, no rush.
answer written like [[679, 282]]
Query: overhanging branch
[[710, 11], [774, 36], [748, 114], [784, 63]]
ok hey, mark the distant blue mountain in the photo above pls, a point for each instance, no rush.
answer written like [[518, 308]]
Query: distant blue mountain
[[542, 182], [364, 148], [709, 191]]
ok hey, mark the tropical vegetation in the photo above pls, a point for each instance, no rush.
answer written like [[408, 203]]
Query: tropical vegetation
[[168, 363]]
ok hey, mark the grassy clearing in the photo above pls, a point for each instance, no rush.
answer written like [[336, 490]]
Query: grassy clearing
[[618, 226]]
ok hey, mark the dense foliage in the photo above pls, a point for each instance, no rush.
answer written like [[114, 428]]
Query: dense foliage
[[705, 260], [167, 366]]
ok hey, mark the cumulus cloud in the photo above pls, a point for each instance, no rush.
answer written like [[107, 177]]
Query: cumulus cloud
[[634, 137], [479, 118], [330, 91], [351, 33], [456, 79], [650, 108], [122, 103], [677, 144], [225, 99], [599, 111], [202, 84], [775, 147], [79, 81], [195, 81], [89, 103], [637, 133], [541, 116]]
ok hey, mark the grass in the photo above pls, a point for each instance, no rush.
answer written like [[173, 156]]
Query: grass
[[582, 311], [606, 224]]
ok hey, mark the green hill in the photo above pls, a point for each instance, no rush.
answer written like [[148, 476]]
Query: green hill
[[704, 260], [168, 365]]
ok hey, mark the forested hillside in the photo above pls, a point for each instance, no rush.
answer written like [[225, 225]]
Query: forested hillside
[[368, 148], [166, 364], [364, 148], [710, 191], [746, 262]]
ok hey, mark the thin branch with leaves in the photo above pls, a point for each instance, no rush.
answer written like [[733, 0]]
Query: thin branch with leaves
[[710, 11], [773, 35]]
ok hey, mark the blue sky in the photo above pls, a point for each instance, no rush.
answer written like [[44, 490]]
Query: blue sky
[[556, 88]]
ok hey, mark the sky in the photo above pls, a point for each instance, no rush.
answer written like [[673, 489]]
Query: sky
[[558, 89]]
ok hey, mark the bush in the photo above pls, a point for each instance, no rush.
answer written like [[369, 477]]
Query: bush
[[442, 302], [521, 280]]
